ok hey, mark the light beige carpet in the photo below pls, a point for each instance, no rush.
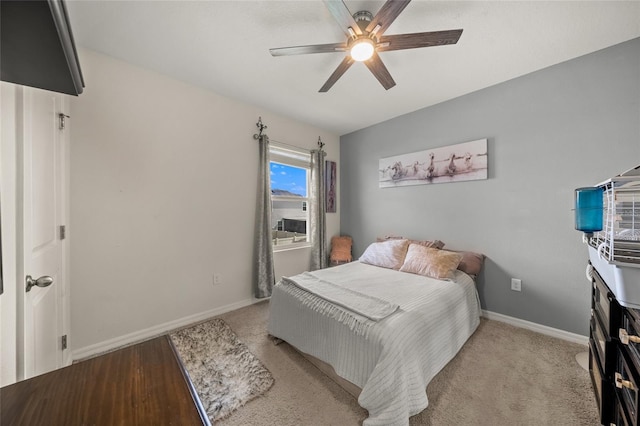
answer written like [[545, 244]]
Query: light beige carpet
[[502, 376]]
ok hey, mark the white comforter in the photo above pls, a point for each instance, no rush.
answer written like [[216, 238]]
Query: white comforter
[[401, 353]]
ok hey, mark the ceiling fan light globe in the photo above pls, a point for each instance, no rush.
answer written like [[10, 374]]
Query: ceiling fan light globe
[[362, 50]]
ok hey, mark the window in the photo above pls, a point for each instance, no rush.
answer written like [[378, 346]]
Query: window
[[289, 196]]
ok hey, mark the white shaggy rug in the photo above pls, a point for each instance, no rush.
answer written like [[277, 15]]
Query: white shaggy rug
[[223, 371]]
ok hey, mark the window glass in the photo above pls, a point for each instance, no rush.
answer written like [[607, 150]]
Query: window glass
[[289, 189], [288, 181]]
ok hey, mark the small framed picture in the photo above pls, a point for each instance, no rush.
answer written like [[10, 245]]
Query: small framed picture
[[330, 186]]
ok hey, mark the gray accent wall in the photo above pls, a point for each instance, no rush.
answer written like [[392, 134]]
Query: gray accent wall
[[570, 125]]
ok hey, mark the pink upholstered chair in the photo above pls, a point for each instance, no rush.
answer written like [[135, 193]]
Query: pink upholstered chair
[[340, 250]]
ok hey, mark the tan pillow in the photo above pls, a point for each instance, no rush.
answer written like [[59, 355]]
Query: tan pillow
[[387, 254], [389, 237], [427, 243], [431, 262], [471, 262]]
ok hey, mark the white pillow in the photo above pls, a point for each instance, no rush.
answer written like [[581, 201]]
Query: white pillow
[[387, 254], [431, 262]]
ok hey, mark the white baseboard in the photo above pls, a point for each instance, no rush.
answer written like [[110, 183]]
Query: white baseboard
[[542, 329], [160, 329], [156, 330]]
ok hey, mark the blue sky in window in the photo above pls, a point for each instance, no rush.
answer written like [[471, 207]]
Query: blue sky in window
[[288, 178]]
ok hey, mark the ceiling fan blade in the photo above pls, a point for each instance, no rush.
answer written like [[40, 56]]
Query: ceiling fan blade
[[376, 66], [386, 15], [339, 10], [415, 40], [342, 68], [303, 50]]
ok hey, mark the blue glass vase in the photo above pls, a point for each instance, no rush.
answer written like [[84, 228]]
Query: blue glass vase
[[588, 208]]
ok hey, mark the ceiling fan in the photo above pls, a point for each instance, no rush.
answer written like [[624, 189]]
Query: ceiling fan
[[365, 40]]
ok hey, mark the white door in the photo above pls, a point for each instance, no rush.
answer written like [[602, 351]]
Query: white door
[[42, 214]]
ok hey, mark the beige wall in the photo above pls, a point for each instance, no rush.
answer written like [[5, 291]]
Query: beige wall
[[163, 191]]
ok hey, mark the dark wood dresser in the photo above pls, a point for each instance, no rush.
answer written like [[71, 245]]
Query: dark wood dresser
[[144, 384], [614, 356]]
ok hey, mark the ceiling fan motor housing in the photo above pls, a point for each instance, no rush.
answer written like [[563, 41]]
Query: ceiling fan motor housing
[[362, 18]]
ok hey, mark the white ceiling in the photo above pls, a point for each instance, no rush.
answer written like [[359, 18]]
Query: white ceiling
[[224, 46]]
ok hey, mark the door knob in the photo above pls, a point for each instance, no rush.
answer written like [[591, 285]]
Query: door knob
[[43, 281]]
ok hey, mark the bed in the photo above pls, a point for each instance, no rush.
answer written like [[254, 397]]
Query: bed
[[398, 332]]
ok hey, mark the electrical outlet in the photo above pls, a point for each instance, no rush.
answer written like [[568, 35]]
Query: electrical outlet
[[217, 279], [516, 284]]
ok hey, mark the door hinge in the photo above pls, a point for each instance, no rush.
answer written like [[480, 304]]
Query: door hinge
[[63, 232], [64, 342], [61, 118]]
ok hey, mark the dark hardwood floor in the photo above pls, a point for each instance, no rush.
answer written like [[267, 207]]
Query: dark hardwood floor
[[144, 384]]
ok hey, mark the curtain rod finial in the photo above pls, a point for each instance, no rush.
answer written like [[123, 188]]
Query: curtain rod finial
[[261, 127]]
